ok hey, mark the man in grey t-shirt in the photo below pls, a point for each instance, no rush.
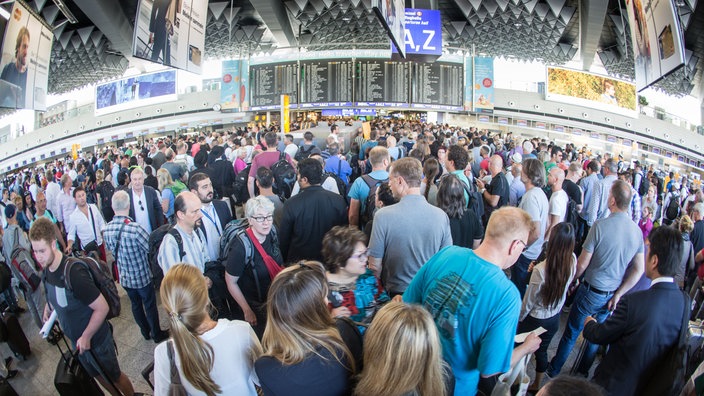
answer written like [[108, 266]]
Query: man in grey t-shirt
[[612, 263], [407, 234], [535, 203]]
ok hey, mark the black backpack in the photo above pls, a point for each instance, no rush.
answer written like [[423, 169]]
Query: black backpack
[[476, 201], [572, 214], [644, 186], [155, 239], [241, 193], [284, 177], [304, 151], [673, 207], [106, 192], [369, 204], [106, 285], [341, 185]]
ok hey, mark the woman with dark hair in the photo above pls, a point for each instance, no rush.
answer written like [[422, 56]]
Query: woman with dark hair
[[546, 293], [304, 352], [354, 290], [431, 170], [382, 197], [23, 211], [465, 226]]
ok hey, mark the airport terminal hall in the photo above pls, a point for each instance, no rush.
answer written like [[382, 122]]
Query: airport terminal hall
[[352, 197]]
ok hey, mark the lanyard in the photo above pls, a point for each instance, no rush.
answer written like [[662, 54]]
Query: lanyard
[[212, 220]]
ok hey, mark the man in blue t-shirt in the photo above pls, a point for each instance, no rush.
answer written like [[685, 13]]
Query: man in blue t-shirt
[[16, 72], [380, 160], [474, 305]]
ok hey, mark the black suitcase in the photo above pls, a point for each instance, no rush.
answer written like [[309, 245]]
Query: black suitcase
[[71, 378], [18, 342], [6, 389]]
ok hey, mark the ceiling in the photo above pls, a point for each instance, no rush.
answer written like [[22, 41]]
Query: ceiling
[[98, 46]]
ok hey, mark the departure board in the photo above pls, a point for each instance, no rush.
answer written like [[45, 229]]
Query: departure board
[[326, 83], [437, 85], [382, 83], [269, 81]]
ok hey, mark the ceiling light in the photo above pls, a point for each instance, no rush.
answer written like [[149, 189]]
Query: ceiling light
[[64, 10]]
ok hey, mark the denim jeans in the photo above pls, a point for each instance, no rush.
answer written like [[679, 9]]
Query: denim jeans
[[520, 274], [586, 302], [144, 310]]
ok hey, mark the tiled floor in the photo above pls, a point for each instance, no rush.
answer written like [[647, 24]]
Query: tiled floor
[[36, 374]]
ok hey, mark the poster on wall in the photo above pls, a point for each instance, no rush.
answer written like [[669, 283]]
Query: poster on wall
[[234, 85], [591, 90], [25, 57], [131, 92], [392, 15], [657, 43], [483, 85], [171, 32]]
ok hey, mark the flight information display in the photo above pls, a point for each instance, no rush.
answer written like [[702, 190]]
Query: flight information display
[[382, 83], [270, 81], [326, 83], [437, 85]]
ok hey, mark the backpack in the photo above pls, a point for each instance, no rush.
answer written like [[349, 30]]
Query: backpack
[[284, 177], [107, 190], [673, 207], [369, 204], [23, 266], [476, 201], [177, 187], [103, 283], [155, 239], [644, 186], [572, 214], [236, 230], [241, 193], [304, 151], [341, 185]]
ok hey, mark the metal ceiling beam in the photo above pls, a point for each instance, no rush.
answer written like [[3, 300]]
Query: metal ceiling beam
[[107, 15], [273, 13], [593, 15]]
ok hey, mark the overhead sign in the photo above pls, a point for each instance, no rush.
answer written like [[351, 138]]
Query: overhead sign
[[391, 14], [423, 32]]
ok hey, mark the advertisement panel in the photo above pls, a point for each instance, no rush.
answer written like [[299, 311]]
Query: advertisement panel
[[135, 91], [391, 14], [591, 90], [657, 43], [483, 85], [423, 33], [171, 32], [234, 85], [468, 83], [25, 61]]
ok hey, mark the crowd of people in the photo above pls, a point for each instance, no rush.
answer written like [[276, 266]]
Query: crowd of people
[[403, 261]]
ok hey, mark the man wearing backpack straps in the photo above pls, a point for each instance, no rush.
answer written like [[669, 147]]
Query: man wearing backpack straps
[[129, 244], [81, 310], [184, 243], [380, 160], [266, 159]]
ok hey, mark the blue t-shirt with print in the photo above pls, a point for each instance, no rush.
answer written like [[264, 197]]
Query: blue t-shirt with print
[[360, 189]]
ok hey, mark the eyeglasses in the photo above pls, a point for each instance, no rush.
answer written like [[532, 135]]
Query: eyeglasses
[[359, 256], [261, 219], [141, 207], [525, 245]]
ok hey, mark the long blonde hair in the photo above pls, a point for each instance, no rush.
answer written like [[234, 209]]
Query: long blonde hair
[[402, 354], [299, 323], [164, 179], [184, 294]]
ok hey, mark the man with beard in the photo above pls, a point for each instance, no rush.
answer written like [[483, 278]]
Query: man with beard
[[216, 214], [192, 249], [16, 71]]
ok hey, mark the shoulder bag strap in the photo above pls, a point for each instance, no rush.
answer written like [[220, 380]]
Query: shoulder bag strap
[[92, 223], [17, 240], [119, 234], [685, 321], [175, 377]]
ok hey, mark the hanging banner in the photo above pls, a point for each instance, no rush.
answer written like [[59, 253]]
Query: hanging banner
[[468, 83], [483, 85], [233, 85], [285, 113]]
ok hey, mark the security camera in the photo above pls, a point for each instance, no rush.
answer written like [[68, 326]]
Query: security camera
[[537, 107], [117, 118], [648, 130], [607, 119], [98, 123], [667, 136], [180, 107], [585, 115], [511, 103], [681, 140], [205, 104], [137, 114], [628, 124], [158, 110], [560, 110]]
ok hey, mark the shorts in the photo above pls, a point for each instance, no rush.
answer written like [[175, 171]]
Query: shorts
[[107, 358]]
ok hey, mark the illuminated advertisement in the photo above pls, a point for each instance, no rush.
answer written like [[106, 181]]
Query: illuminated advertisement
[[171, 32], [142, 90], [483, 95], [391, 13], [234, 93], [25, 61], [657, 44], [591, 90], [423, 32]]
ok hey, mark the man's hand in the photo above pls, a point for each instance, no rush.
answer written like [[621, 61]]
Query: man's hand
[[47, 313], [532, 342], [341, 312], [250, 317], [480, 184], [68, 250], [83, 344], [613, 302], [588, 319]]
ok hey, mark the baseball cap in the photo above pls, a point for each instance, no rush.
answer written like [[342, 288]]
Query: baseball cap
[[10, 210]]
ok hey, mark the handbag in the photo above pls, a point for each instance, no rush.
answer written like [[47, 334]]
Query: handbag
[[516, 376], [175, 386]]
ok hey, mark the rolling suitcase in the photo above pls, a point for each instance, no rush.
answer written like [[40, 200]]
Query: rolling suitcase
[[6, 389], [70, 377], [15, 337]]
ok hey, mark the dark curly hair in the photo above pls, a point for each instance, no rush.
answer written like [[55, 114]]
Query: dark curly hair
[[338, 246]]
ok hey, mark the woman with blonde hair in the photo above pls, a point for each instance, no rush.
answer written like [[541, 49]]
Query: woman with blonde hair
[[402, 355], [304, 352], [166, 186], [210, 357]]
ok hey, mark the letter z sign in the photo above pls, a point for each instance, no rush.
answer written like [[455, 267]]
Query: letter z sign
[[423, 32]]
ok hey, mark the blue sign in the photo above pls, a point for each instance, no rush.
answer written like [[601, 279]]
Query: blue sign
[[423, 34]]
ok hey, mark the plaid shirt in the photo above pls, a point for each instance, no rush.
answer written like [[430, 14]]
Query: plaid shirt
[[132, 263], [635, 209]]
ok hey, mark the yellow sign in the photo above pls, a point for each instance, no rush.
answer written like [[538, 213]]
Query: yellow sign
[[285, 113], [366, 130], [74, 151]]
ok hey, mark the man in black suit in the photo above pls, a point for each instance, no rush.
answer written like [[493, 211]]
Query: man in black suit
[[145, 203], [309, 215], [645, 325], [216, 213]]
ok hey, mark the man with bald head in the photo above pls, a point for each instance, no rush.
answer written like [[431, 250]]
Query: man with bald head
[[558, 199], [497, 192], [474, 305], [612, 263]]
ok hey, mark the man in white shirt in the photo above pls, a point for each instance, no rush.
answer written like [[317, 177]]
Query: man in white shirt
[[87, 222], [145, 203], [187, 211], [65, 204], [558, 200], [52, 191], [334, 133], [291, 148], [216, 213]]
